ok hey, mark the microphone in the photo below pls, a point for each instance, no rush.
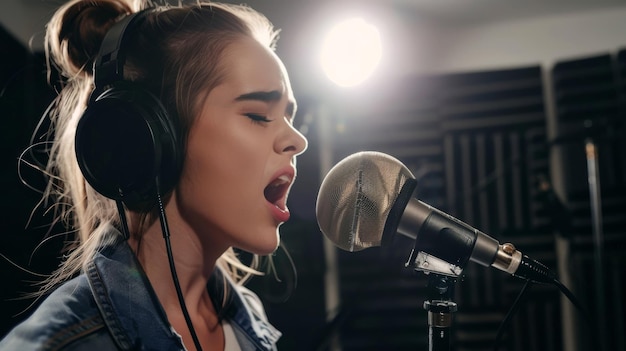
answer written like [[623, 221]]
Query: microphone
[[367, 198]]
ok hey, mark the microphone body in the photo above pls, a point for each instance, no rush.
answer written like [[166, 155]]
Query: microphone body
[[366, 199], [445, 237], [438, 234]]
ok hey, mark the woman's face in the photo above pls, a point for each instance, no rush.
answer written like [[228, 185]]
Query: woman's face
[[240, 160]]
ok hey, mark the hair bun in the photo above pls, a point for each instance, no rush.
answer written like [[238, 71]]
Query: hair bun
[[76, 31]]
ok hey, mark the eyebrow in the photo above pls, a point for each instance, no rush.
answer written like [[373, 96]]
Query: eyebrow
[[268, 96]]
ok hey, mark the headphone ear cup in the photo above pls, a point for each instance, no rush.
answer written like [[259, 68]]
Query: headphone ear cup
[[125, 142]]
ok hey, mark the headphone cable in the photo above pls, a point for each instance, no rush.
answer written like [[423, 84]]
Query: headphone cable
[[170, 257]]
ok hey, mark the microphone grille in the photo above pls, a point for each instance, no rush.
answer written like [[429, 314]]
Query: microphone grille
[[356, 197]]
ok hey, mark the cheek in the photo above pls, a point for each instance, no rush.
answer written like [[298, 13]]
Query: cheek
[[223, 172], [211, 166], [220, 161]]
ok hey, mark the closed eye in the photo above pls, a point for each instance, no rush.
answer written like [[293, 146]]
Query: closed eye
[[258, 118]]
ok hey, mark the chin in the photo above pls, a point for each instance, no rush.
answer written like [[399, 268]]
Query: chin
[[267, 246]]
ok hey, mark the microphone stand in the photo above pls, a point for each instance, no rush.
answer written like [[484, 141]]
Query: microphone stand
[[593, 180], [442, 277], [440, 310], [593, 131]]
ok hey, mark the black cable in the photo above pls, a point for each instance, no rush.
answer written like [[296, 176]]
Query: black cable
[[124, 222], [170, 257], [570, 296], [507, 319]]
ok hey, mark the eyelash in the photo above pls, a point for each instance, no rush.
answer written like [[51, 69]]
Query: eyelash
[[258, 118]]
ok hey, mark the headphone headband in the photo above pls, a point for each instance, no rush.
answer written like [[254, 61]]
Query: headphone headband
[[109, 66]]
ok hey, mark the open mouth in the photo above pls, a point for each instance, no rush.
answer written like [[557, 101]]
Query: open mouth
[[276, 191]]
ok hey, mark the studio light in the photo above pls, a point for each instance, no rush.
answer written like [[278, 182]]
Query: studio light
[[351, 52]]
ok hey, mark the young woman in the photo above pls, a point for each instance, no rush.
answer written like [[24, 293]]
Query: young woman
[[228, 100]]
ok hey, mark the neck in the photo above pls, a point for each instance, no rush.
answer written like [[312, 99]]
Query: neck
[[193, 269], [194, 264]]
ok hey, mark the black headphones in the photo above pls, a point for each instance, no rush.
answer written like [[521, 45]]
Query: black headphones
[[127, 147]]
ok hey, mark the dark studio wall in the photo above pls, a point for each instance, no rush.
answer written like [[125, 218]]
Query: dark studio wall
[[24, 95]]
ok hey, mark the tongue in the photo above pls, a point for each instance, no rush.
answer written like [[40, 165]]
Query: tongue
[[272, 193]]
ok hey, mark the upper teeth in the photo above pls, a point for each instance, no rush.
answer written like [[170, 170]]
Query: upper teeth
[[281, 180]]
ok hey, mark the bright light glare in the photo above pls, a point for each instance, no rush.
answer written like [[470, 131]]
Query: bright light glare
[[351, 52]]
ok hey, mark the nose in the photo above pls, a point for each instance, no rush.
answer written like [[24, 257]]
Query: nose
[[291, 140]]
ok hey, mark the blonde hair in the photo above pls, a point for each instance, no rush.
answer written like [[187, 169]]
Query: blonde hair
[[163, 55]]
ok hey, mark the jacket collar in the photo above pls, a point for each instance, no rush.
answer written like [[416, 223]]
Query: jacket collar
[[135, 317]]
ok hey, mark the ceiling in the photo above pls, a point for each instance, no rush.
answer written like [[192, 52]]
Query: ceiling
[[303, 23], [26, 18]]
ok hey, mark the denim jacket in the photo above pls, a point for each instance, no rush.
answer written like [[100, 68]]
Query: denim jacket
[[111, 306]]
